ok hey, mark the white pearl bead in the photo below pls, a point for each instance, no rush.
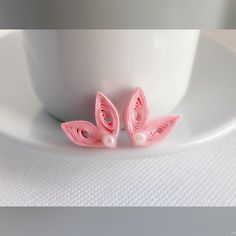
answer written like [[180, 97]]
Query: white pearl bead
[[140, 138], [109, 141]]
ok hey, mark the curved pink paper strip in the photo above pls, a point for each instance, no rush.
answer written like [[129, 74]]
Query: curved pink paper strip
[[136, 112], [85, 134], [140, 132], [106, 115], [159, 129], [82, 133]]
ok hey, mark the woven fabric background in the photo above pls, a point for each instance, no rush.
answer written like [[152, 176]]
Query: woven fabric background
[[201, 176]]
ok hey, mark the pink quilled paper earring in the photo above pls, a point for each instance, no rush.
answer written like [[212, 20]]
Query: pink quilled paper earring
[[140, 130], [106, 132]]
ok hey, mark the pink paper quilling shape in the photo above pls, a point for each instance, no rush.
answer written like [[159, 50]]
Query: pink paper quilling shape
[[106, 132], [142, 132]]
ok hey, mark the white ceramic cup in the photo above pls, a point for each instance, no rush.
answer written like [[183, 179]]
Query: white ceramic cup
[[68, 68]]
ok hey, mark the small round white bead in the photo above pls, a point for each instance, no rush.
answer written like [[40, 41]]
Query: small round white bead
[[140, 138], [109, 141]]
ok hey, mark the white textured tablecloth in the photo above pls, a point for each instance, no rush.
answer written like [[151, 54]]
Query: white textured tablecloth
[[201, 176]]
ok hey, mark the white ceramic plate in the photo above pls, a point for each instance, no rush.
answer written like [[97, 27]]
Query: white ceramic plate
[[208, 109]]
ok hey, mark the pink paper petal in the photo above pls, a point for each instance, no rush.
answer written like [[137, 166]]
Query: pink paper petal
[[136, 113], [82, 133], [107, 116], [158, 130]]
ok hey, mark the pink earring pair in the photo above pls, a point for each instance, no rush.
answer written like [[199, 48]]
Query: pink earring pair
[[105, 134]]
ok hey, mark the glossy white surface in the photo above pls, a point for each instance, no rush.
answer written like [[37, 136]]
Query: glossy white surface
[[68, 68], [207, 111]]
